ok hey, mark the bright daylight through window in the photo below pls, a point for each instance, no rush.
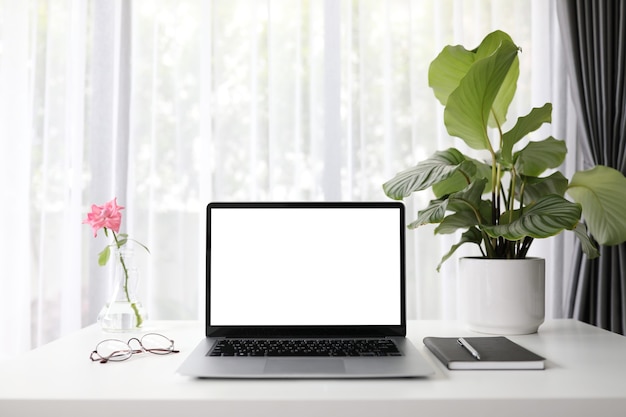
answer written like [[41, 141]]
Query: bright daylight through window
[[170, 104]]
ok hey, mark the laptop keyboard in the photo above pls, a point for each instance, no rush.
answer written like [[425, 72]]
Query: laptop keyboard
[[305, 347]]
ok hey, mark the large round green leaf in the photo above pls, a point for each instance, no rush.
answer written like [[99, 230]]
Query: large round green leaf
[[601, 191]]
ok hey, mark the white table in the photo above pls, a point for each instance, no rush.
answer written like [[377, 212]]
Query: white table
[[585, 376]]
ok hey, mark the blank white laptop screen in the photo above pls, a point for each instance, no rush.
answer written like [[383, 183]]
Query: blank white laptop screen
[[305, 266]]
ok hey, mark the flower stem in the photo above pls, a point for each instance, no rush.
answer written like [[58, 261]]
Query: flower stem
[[125, 269]]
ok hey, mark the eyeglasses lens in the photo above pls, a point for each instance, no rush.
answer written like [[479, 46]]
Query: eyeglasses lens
[[114, 350], [157, 343]]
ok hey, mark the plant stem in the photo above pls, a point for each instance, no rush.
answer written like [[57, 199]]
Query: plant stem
[[125, 269], [495, 199]]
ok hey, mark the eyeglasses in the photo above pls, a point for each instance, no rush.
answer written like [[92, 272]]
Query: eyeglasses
[[117, 350]]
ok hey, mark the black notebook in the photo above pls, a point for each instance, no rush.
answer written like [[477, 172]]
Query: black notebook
[[495, 353]]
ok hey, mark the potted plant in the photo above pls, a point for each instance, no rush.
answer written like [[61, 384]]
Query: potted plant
[[516, 194]]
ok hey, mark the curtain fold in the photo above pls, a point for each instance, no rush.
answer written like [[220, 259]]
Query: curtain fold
[[594, 33]]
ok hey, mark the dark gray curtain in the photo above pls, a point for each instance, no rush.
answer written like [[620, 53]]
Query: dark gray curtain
[[594, 36]]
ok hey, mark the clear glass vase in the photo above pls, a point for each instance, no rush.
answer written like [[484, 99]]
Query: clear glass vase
[[123, 311]]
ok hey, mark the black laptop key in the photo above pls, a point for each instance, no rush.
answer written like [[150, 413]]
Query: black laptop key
[[305, 347]]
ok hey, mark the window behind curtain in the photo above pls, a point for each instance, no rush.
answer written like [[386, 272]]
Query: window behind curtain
[[170, 104]]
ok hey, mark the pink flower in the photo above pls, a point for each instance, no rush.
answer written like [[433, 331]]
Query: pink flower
[[107, 215]]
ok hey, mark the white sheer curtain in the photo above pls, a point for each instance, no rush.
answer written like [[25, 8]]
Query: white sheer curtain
[[169, 104]]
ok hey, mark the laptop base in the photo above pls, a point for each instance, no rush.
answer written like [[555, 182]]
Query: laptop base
[[410, 365]]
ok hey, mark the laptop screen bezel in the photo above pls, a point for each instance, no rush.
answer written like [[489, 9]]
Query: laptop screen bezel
[[308, 331]]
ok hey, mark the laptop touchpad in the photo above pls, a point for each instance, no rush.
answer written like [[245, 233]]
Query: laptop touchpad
[[304, 366]]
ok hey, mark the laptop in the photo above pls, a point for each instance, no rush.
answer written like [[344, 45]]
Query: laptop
[[305, 290]]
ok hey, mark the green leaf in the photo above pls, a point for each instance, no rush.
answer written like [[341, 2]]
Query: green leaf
[[103, 257], [525, 125], [601, 191], [468, 197], [458, 181], [537, 157], [465, 200], [463, 219], [447, 70], [547, 217], [538, 187], [428, 172], [459, 220], [587, 244], [505, 95], [454, 183], [433, 213], [473, 235], [452, 64], [468, 107]]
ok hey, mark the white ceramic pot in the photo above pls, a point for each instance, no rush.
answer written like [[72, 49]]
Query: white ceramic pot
[[502, 296]]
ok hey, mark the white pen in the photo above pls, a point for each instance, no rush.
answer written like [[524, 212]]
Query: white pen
[[469, 347]]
